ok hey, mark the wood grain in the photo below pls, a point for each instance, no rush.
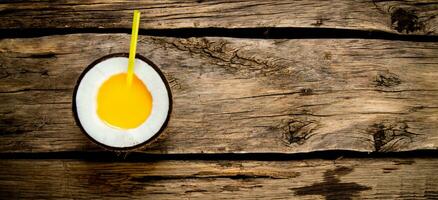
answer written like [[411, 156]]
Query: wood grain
[[308, 179], [401, 17], [235, 95]]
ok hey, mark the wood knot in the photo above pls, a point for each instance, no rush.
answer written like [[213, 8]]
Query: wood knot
[[391, 136], [387, 79], [297, 132], [405, 21]]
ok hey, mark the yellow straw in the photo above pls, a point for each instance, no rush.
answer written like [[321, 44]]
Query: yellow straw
[[133, 46]]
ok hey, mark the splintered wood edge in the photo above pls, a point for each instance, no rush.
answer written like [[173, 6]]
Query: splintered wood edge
[[393, 178], [401, 17], [235, 95]]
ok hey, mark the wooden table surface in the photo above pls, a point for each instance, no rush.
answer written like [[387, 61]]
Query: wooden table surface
[[272, 99]]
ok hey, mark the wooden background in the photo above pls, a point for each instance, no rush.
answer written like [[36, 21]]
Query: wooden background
[[249, 79]]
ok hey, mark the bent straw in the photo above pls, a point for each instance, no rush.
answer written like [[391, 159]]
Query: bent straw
[[133, 45]]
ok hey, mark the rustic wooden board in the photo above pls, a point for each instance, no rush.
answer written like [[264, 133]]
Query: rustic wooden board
[[309, 179], [235, 95], [230, 95], [404, 17]]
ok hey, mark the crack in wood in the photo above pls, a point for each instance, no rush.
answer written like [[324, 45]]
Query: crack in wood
[[207, 175], [43, 55], [404, 162], [195, 191], [227, 55], [306, 91]]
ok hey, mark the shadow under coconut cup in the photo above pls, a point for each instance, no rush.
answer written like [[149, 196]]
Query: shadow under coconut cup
[[120, 117]]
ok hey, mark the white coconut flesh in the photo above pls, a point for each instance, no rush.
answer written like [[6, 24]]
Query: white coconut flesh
[[86, 103]]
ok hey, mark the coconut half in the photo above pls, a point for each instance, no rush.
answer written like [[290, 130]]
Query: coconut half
[[85, 103]]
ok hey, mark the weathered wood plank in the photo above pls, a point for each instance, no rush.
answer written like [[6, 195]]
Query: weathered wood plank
[[309, 179], [404, 17], [235, 95]]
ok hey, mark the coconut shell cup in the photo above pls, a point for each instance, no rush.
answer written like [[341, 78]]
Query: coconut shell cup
[[144, 144]]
